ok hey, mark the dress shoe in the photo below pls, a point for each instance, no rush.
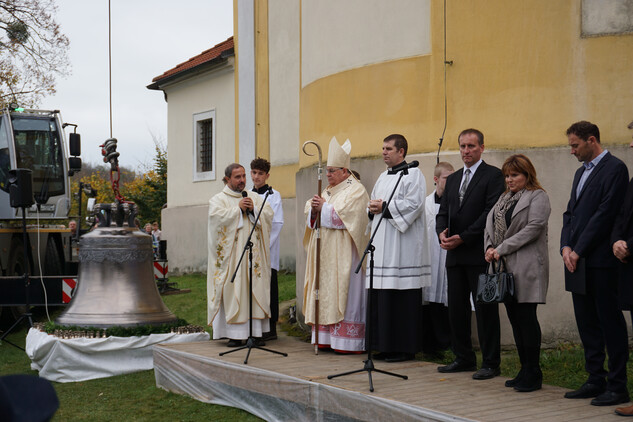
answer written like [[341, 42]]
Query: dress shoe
[[531, 380], [514, 381], [234, 343], [609, 398], [486, 373], [399, 357], [270, 335], [586, 391], [624, 411], [456, 366], [258, 341]]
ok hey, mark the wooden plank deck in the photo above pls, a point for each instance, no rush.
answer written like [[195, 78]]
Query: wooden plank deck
[[298, 384]]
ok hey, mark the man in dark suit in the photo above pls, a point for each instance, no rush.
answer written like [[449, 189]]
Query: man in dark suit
[[469, 195], [622, 245], [591, 269]]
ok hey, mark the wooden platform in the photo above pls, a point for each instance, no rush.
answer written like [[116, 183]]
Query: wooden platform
[[296, 387]]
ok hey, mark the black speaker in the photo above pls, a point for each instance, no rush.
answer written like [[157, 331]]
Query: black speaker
[[20, 188]]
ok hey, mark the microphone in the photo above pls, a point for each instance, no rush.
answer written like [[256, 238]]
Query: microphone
[[413, 164], [270, 190], [244, 195]]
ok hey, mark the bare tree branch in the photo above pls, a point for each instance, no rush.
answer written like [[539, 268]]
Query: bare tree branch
[[33, 51]]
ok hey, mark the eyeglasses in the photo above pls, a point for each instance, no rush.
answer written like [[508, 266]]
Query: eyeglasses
[[334, 170]]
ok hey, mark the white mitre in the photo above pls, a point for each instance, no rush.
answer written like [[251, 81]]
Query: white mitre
[[338, 155]]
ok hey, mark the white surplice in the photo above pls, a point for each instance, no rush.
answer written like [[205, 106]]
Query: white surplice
[[437, 292], [402, 258]]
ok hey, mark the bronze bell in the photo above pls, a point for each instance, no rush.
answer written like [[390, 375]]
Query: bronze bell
[[116, 278]]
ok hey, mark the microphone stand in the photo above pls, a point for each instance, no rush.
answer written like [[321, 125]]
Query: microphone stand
[[369, 363], [251, 342]]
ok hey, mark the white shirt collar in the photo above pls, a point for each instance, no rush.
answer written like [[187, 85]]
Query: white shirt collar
[[473, 168]]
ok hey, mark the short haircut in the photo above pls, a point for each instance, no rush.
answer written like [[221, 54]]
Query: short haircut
[[261, 164], [584, 129], [471, 131], [441, 166], [630, 126], [399, 141], [519, 163], [228, 171]]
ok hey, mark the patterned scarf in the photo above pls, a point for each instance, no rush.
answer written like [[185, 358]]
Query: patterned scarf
[[505, 202]]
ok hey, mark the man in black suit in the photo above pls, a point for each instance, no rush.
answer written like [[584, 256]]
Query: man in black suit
[[591, 269], [469, 195], [622, 245]]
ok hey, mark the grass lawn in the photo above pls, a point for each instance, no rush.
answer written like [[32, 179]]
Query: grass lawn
[[135, 397], [132, 397]]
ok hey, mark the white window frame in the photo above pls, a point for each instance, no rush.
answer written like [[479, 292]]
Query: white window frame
[[199, 176]]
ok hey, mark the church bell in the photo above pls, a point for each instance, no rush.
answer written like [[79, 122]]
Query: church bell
[[116, 277]]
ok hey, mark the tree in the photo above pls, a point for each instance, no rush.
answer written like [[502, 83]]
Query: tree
[[32, 51], [149, 191]]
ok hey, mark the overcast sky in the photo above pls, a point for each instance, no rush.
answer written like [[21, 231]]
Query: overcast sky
[[148, 38]]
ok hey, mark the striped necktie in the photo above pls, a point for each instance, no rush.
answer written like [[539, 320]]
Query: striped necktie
[[462, 190]]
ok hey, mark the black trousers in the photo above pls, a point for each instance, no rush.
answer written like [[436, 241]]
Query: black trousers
[[526, 331], [395, 322], [274, 300], [462, 282], [601, 325], [436, 329]]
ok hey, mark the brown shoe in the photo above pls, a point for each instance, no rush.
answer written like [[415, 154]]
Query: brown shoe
[[624, 411]]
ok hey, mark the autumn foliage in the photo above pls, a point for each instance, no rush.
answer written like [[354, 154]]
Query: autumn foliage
[[148, 189]]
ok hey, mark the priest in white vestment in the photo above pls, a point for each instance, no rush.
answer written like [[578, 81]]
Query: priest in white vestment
[[342, 295], [231, 219], [402, 256], [436, 330]]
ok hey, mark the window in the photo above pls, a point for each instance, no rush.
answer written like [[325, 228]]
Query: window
[[204, 146], [38, 147]]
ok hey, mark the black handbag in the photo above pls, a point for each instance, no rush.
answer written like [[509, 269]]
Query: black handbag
[[495, 287]]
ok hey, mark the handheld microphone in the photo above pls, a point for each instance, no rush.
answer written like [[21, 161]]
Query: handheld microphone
[[413, 164], [270, 190], [245, 195]]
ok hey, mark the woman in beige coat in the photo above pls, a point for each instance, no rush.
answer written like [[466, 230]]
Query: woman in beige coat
[[516, 230]]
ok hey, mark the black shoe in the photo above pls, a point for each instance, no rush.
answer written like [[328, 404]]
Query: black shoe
[[258, 341], [532, 380], [514, 381], [234, 343], [270, 335], [610, 398], [456, 366], [586, 391], [486, 373], [400, 357]]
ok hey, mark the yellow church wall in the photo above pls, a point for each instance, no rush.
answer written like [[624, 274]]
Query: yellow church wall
[[521, 73]]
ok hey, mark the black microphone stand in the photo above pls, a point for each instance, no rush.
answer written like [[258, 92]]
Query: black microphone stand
[[369, 363], [251, 342]]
